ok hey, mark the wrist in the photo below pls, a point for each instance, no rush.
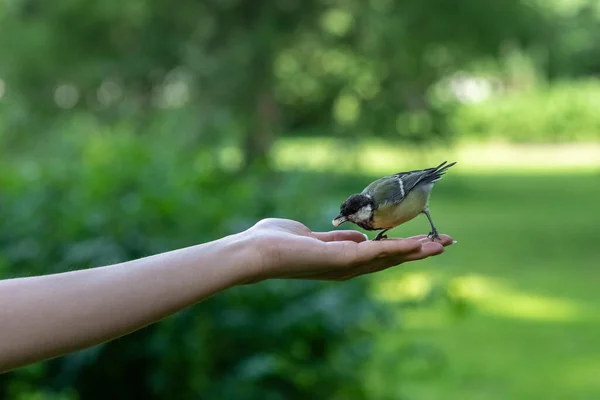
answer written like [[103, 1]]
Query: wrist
[[244, 254]]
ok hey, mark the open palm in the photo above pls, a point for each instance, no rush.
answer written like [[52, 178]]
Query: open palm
[[288, 249]]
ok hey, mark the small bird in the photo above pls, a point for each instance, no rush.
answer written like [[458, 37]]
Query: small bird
[[392, 200]]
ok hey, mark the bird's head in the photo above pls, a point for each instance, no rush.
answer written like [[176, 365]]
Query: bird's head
[[357, 208]]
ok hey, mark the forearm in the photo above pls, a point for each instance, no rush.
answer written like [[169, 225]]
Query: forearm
[[47, 316]]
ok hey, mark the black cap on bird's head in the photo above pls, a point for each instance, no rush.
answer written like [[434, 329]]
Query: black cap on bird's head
[[355, 208]]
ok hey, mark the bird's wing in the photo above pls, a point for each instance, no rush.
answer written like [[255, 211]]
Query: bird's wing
[[395, 188], [384, 190]]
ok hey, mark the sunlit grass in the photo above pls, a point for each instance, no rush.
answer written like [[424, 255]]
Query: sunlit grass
[[490, 296], [380, 157], [518, 313], [413, 286], [517, 297], [495, 297]]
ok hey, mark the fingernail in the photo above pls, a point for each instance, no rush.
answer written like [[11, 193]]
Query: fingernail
[[366, 237], [454, 242]]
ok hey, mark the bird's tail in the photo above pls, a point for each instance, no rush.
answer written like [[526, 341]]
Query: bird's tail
[[435, 174]]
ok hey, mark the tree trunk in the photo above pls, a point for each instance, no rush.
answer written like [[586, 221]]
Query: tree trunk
[[262, 134]]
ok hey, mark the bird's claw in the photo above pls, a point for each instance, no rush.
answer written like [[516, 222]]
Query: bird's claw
[[380, 237], [433, 235]]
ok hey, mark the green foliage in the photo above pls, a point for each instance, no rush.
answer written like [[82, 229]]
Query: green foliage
[[572, 40], [563, 112], [131, 128], [286, 66], [111, 196]]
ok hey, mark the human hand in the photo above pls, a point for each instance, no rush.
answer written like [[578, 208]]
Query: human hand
[[288, 249]]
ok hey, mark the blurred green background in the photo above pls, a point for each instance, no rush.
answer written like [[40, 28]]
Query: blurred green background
[[133, 127]]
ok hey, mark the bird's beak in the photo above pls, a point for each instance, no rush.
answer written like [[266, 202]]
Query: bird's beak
[[340, 219]]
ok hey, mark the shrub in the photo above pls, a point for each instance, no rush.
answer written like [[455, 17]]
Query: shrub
[[562, 112], [105, 197]]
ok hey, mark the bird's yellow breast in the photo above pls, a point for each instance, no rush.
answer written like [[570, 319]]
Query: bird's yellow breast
[[390, 215]]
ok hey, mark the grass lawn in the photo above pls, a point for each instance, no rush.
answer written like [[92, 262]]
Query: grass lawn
[[527, 266], [524, 277]]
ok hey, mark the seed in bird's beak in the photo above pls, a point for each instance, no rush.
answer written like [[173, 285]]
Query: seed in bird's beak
[[337, 221]]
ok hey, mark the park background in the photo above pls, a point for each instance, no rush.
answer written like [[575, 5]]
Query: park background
[[129, 128]]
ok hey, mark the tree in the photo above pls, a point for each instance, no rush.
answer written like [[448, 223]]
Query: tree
[[247, 72]]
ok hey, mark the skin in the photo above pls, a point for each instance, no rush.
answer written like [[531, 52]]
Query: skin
[[51, 315]]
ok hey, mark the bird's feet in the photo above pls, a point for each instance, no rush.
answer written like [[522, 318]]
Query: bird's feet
[[380, 236], [433, 235]]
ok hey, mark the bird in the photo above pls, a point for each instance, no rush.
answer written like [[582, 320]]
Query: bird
[[393, 200]]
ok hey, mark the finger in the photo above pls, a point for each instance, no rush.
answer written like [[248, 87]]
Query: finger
[[339, 236], [402, 250], [446, 240], [418, 237], [372, 250], [377, 265], [428, 249]]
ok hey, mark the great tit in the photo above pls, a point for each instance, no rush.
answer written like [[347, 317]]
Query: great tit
[[392, 200]]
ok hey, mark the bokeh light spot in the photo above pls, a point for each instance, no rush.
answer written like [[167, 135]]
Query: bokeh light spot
[[66, 96], [109, 93], [346, 109], [337, 21]]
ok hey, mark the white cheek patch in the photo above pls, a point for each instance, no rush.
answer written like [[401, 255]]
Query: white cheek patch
[[364, 213]]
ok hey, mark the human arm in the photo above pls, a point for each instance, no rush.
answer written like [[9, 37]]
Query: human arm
[[48, 316]]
